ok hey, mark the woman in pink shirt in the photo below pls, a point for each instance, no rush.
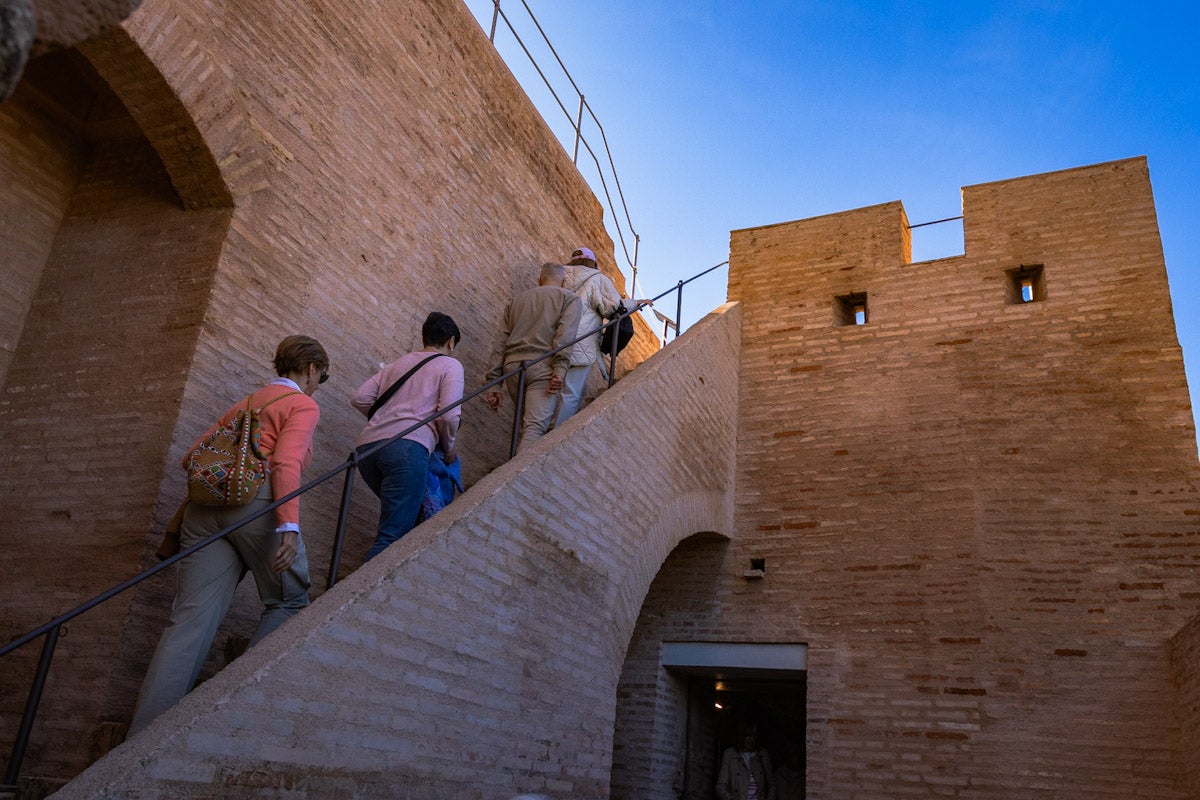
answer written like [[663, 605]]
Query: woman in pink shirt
[[269, 547], [429, 380]]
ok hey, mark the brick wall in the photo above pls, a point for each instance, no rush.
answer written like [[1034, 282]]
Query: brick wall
[[479, 656], [87, 416], [40, 163], [1185, 660], [980, 516], [334, 172], [652, 712]]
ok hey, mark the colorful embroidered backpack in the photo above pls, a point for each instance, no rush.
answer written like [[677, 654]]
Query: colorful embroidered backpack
[[229, 467]]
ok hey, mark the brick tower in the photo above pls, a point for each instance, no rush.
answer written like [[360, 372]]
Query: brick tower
[[972, 484]]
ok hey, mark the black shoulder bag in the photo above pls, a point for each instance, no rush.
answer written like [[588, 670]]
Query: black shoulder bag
[[391, 390], [618, 334]]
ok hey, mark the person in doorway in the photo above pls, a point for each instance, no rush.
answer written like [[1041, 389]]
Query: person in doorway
[[599, 299], [411, 388], [746, 769], [789, 778], [536, 322], [269, 547]]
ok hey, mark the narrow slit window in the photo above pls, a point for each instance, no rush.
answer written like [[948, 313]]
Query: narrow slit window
[[1026, 284], [850, 309]]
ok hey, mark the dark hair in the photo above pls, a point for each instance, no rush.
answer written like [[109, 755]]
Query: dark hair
[[439, 329], [297, 352]]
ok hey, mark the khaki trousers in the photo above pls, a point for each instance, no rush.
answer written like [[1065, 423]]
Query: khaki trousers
[[206, 582]]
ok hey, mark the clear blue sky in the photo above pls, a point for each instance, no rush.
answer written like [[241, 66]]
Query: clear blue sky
[[725, 115]]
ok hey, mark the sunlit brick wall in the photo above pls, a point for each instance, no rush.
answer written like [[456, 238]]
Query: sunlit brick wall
[[980, 515], [334, 171]]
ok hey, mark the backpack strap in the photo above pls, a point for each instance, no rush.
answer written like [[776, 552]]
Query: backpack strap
[[391, 390], [272, 400], [251, 410]]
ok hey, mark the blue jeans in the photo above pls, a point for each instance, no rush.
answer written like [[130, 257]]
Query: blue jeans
[[397, 473]]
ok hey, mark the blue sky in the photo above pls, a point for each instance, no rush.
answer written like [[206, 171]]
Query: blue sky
[[726, 115]]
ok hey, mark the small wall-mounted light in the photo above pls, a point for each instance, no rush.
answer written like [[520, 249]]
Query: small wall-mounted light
[[758, 569]]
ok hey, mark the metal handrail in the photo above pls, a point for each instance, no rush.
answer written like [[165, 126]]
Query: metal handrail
[[54, 629], [577, 124]]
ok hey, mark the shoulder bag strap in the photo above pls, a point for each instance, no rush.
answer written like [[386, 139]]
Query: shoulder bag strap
[[272, 400], [391, 390]]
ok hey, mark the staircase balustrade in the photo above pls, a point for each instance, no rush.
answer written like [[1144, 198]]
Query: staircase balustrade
[[55, 628]]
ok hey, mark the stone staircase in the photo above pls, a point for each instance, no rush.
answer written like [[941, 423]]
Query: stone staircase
[[479, 656]]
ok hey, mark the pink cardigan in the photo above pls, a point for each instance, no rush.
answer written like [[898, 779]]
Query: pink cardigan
[[287, 433], [434, 386]]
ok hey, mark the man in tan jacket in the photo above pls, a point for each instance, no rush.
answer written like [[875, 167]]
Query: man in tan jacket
[[537, 321]]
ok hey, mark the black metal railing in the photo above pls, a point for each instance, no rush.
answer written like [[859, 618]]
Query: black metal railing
[[54, 629], [576, 120]]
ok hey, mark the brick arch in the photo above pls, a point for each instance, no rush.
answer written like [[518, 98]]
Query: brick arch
[[120, 219], [687, 518], [649, 733], [171, 99]]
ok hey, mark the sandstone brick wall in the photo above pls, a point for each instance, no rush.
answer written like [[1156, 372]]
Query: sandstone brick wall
[[1185, 660], [980, 516], [479, 656], [40, 162], [330, 170], [88, 412]]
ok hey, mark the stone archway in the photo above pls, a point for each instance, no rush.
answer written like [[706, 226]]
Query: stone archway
[[112, 233], [651, 714]]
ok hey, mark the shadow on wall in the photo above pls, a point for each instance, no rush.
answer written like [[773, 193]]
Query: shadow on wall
[[105, 262]]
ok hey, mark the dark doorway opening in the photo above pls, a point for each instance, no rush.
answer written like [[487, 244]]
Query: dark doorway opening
[[717, 707]]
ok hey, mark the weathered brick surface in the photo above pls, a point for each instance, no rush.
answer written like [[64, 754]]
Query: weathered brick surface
[[980, 516], [86, 418], [1185, 659], [479, 656], [652, 705], [39, 161], [260, 171]]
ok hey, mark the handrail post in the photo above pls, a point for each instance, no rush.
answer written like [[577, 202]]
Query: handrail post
[[578, 129], [678, 308], [633, 292], [31, 706], [339, 536], [518, 411], [495, 15], [613, 331]]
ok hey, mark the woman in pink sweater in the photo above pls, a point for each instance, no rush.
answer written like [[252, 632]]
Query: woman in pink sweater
[[269, 547], [427, 381]]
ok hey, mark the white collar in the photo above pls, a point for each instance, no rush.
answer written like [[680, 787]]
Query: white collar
[[286, 382]]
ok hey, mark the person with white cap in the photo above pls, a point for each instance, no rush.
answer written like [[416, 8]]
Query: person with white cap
[[599, 299]]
